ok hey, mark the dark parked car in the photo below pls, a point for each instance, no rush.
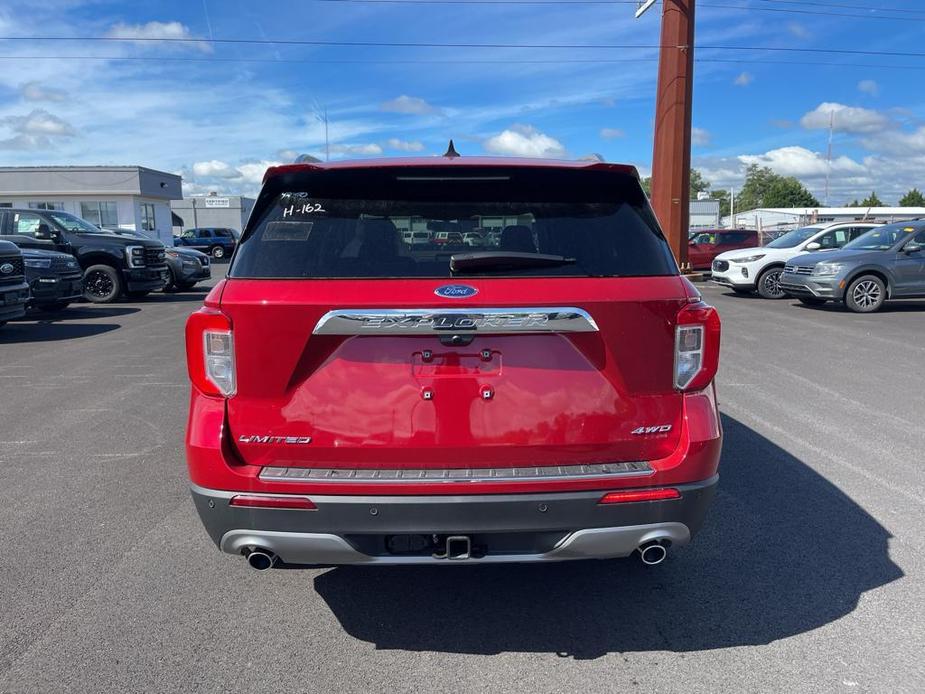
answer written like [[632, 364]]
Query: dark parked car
[[111, 264], [217, 242], [186, 266], [885, 263], [55, 279], [706, 244], [14, 292]]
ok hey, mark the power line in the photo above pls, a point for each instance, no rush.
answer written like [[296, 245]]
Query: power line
[[813, 3], [564, 3], [373, 61], [434, 44]]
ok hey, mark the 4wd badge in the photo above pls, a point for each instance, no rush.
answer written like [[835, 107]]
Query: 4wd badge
[[644, 431]]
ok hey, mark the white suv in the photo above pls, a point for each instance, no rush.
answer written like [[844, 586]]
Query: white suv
[[758, 269]]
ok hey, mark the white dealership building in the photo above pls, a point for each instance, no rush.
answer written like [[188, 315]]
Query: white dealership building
[[128, 197]]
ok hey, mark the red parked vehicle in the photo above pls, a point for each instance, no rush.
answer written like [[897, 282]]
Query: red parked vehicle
[[357, 400], [706, 244]]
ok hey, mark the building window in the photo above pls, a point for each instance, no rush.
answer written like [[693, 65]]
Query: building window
[[147, 217], [6, 204], [47, 206], [103, 214]]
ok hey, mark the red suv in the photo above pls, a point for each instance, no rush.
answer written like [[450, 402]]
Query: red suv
[[706, 244], [358, 400]]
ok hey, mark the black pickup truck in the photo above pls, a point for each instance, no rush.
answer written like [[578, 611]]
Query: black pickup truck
[[14, 292], [111, 264]]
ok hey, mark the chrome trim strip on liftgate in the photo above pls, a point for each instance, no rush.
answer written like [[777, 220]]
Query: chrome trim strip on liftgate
[[491, 321], [551, 473]]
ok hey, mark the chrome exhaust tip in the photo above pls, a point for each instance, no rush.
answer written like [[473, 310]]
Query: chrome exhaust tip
[[261, 559], [653, 553]]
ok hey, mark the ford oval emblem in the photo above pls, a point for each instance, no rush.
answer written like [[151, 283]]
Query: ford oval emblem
[[456, 291], [6, 268]]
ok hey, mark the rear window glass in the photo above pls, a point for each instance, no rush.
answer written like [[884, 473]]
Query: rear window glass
[[410, 222]]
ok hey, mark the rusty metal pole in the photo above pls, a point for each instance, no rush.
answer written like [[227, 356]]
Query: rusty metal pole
[[671, 158]]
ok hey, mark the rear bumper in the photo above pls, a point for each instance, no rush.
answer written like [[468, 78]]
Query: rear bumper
[[503, 528]]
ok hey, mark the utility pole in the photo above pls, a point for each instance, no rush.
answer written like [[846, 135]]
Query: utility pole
[[671, 157]]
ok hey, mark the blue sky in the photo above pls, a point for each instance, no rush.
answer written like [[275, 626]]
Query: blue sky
[[191, 108]]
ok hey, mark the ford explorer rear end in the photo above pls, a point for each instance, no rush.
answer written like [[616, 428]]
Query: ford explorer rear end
[[547, 395]]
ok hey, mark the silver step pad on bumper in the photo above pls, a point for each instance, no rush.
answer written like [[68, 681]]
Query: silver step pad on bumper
[[329, 549]]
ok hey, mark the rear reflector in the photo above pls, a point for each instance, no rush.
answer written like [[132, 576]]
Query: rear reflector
[[294, 502], [631, 495]]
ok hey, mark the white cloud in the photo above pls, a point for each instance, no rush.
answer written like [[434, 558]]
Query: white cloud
[[846, 119], [700, 137], [403, 145], [801, 162], [899, 144], [215, 168], [869, 87], [524, 141], [34, 91], [151, 31], [39, 122], [743, 79], [612, 133], [36, 130], [798, 30], [410, 105], [367, 149], [252, 172]]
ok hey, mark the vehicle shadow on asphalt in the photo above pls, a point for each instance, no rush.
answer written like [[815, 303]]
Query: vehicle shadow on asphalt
[[195, 294], [51, 331], [899, 306], [50, 326], [783, 552]]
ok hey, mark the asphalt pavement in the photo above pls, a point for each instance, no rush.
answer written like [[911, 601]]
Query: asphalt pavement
[[808, 577]]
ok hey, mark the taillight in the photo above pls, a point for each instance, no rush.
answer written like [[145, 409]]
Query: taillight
[[630, 496], [696, 355], [299, 503], [210, 352]]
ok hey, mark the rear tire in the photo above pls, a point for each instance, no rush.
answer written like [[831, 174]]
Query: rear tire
[[102, 284], [769, 284], [217, 252], [866, 294], [811, 301]]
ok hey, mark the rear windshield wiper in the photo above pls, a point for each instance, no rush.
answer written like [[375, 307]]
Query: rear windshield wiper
[[504, 260]]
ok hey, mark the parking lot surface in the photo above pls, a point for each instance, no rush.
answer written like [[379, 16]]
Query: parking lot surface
[[809, 575]]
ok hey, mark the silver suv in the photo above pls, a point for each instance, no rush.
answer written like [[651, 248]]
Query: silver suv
[[885, 263]]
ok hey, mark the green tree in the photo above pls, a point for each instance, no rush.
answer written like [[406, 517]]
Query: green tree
[[698, 184], [871, 201], [764, 188], [724, 202], [913, 198]]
